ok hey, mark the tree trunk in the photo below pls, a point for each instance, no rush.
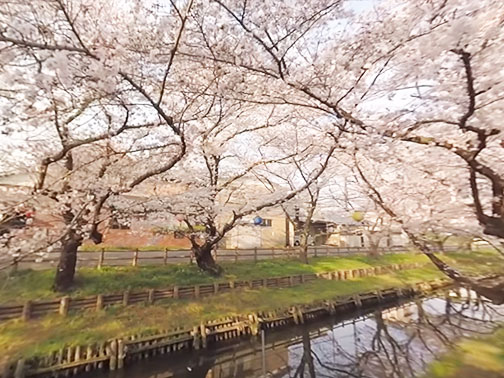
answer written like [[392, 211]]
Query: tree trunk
[[303, 255], [65, 272], [205, 260], [494, 292], [307, 353], [374, 250]]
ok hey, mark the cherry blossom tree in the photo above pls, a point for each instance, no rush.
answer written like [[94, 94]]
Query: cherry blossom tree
[[407, 73], [412, 87], [220, 178], [101, 108], [302, 209]]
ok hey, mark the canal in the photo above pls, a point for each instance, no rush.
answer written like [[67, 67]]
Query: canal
[[395, 341]]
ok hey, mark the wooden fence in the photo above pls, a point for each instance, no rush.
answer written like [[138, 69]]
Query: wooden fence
[[137, 257], [35, 309], [115, 353]]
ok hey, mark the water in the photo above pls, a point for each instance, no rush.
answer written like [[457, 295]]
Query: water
[[399, 341]]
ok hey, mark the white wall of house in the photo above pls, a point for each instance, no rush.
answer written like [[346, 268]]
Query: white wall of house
[[352, 241], [248, 235], [245, 236], [399, 239]]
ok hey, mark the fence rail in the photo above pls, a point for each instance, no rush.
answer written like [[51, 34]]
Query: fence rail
[[34, 309], [164, 257]]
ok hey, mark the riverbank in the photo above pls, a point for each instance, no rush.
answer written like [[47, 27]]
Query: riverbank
[[48, 334], [26, 285]]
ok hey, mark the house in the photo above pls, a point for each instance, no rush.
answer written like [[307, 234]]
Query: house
[[346, 232], [269, 228], [265, 229], [117, 232]]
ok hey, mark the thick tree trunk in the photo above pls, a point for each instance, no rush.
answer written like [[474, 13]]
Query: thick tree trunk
[[65, 272], [205, 260]]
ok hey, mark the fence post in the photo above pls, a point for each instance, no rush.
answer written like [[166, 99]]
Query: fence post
[[236, 255], [112, 349], [327, 251], [203, 335], [175, 292], [99, 302], [135, 258], [89, 355], [273, 252], [196, 337], [357, 300], [297, 315], [26, 314], [255, 254], [196, 291], [20, 369], [165, 259], [294, 314], [120, 354], [64, 304], [101, 258], [77, 358], [150, 296], [254, 324], [126, 295], [69, 354], [315, 252]]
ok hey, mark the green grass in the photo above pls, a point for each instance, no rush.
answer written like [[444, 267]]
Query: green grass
[[39, 337], [36, 285], [476, 263], [481, 357]]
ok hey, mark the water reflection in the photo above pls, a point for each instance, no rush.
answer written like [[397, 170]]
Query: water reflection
[[387, 342], [397, 342]]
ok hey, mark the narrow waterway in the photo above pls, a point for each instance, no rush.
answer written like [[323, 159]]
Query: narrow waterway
[[395, 341]]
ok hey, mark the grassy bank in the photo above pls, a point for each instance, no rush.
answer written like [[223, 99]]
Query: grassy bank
[[36, 285], [32, 285], [38, 337], [471, 358]]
